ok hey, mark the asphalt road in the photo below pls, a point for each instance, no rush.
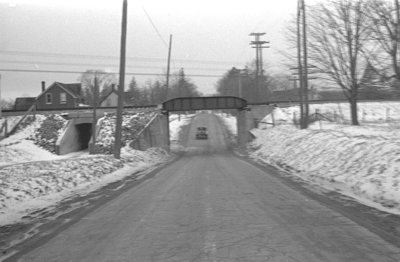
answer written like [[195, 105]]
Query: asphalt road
[[212, 206]]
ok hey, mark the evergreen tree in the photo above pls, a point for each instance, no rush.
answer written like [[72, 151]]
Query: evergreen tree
[[236, 82], [182, 86], [136, 96]]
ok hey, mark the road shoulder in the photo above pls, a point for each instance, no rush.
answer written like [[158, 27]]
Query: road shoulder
[[383, 224]]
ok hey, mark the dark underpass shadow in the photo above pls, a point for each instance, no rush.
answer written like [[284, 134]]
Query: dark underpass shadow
[[84, 134]]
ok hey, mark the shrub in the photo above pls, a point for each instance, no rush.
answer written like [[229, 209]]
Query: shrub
[[47, 134]]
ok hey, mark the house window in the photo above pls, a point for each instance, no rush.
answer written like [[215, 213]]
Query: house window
[[49, 98], [63, 98]]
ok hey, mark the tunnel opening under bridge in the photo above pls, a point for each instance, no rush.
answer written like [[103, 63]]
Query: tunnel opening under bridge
[[84, 132], [193, 104], [76, 136]]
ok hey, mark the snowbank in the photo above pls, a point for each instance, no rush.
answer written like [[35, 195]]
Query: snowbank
[[11, 122], [28, 186], [25, 133], [339, 112], [230, 122], [362, 162], [132, 124], [33, 178], [24, 151], [176, 122]]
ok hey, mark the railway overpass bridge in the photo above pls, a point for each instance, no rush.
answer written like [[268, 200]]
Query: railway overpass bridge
[[78, 133], [184, 104]]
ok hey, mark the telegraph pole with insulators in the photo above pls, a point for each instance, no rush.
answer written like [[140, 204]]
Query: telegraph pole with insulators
[[258, 44]]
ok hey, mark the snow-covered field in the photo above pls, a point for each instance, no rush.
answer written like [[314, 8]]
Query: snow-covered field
[[32, 178], [362, 162], [371, 112]]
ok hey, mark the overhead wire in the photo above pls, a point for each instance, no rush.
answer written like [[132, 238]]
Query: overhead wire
[[37, 63], [100, 57], [81, 72], [154, 27]]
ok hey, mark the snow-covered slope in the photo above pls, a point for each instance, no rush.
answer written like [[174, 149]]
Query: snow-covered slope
[[32, 177], [28, 186], [368, 112], [362, 162]]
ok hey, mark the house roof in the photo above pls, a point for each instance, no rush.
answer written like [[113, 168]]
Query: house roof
[[109, 93], [73, 89], [25, 100]]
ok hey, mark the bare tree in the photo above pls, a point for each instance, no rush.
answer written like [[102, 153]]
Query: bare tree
[[338, 33], [7, 104], [104, 82], [385, 18]]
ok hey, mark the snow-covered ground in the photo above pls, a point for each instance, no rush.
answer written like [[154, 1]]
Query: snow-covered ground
[[32, 178], [230, 122], [362, 162], [368, 112], [176, 122], [11, 122], [20, 147]]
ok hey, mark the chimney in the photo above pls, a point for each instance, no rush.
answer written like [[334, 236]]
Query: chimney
[[43, 86]]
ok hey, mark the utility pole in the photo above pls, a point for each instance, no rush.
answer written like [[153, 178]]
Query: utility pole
[[94, 122], [118, 128], [238, 73], [258, 45], [240, 84], [302, 63], [1, 104], [296, 76], [396, 50], [305, 66], [168, 65]]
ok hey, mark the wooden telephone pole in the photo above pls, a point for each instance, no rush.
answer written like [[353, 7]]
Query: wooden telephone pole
[[94, 121], [168, 65], [258, 45], [302, 63], [1, 106], [118, 127]]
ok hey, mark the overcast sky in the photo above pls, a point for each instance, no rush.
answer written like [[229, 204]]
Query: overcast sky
[[209, 37]]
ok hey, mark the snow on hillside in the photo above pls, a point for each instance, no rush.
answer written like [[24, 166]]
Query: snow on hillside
[[230, 122], [29, 186], [362, 162], [32, 177], [132, 124], [340, 112], [175, 124], [11, 122]]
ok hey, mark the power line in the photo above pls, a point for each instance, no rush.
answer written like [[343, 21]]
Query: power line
[[81, 72], [26, 62], [258, 44], [104, 57], [154, 27]]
